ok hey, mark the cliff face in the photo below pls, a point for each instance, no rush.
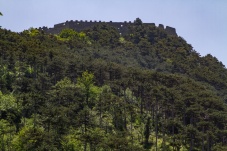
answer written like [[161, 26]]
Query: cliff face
[[81, 25]]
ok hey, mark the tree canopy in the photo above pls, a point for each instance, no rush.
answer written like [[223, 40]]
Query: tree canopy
[[99, 90]]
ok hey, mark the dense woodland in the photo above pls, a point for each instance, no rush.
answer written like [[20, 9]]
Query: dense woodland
[[98, 90]]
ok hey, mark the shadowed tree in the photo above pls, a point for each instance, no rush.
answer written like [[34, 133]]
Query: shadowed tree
[[138, 21]]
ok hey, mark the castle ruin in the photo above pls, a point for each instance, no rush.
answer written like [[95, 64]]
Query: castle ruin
[[122, 27]]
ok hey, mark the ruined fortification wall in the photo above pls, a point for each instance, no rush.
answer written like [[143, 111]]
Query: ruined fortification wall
[[82, 25], [170, 30]]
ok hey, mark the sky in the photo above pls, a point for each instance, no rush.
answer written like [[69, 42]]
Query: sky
[[202, 23]]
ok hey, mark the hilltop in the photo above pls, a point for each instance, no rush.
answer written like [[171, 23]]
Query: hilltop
[[92, 88], [122, 27]]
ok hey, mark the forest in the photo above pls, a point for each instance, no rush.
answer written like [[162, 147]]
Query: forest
[[98, 90]]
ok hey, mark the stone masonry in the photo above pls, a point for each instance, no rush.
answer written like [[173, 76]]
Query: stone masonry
[[82, 25]]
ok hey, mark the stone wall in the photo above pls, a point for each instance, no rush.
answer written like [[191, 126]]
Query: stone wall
[[170, 30], [82, 25]]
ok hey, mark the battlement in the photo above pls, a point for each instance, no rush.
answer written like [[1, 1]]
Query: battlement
[[122, 27]]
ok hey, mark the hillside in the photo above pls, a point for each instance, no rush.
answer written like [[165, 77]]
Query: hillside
[[97, 89]]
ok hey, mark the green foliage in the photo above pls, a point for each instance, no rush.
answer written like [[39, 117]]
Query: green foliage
[[7, 102], [99, 90], [28, 139], [33, 32], [73, 38], [70, 34], [138, 21], [71, 142], [86, 81], [7, 132], [122, 40], [104, 35], [66, 82]]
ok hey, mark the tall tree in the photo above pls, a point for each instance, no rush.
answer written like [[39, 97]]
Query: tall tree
[[90, 92]]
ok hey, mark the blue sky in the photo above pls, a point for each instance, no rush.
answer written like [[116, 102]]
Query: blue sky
[[202, 23]]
